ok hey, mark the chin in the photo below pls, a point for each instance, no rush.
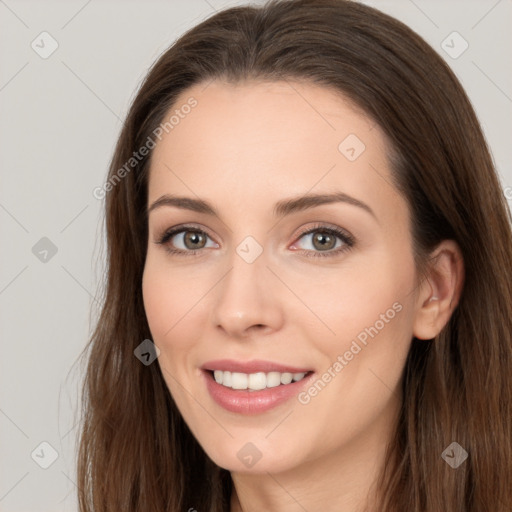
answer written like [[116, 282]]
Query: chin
[[250, 457]]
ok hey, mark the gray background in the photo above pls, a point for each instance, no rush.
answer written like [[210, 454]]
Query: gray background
[[60, 118]]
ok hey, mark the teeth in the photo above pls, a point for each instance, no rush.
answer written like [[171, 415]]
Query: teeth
[[286, 378], [225, 378], [255, 381], [239, 380], [273, 379]]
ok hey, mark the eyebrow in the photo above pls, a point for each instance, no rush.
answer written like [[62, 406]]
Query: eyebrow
[[281, 208]]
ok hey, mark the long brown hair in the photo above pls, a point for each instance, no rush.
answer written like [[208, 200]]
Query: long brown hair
[[135, 452]]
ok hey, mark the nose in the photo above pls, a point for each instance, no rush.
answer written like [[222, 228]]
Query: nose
[[248, 300]]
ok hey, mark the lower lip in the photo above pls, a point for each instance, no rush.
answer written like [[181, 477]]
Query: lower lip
[[252, 402]]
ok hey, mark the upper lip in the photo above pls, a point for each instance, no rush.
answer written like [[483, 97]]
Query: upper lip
[[254, 366]]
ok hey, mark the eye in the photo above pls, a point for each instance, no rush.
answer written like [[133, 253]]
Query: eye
[[322, 241], [188, 240]]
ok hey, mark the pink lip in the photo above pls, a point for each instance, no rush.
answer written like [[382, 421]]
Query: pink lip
[[252, 402], [255, 366]]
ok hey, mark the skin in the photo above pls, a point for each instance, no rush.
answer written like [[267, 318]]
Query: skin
[[243, 148]]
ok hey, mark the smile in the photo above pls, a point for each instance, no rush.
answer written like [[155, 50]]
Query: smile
[[254, 393], [255, 381]]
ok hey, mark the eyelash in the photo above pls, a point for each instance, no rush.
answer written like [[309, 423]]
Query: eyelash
[[347, 239]]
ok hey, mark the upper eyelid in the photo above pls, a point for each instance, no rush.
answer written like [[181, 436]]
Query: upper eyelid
[[187, 227]]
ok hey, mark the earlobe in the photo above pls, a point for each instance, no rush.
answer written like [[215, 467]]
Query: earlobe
[[440, 293]]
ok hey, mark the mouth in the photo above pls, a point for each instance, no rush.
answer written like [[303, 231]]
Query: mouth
[[254, 391]]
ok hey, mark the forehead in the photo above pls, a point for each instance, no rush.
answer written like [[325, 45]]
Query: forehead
[[276, 113], [267, 140]]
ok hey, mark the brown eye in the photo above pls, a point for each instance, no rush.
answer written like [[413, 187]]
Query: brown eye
[[185, 240], [194, 239], [322, 240]]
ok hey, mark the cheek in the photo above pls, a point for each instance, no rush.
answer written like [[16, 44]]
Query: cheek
[[169, 299], [363, 364], [172, 298], [347, 301], [369, 308]]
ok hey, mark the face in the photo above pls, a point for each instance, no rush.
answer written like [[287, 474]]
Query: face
[[269, 285]]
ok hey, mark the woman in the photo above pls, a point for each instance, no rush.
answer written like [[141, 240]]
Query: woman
[[308, 301]]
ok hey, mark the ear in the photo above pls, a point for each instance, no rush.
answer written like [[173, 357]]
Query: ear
[[440, 292]]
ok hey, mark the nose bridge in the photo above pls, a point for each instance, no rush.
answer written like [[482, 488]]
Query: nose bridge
[[247, 295]]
